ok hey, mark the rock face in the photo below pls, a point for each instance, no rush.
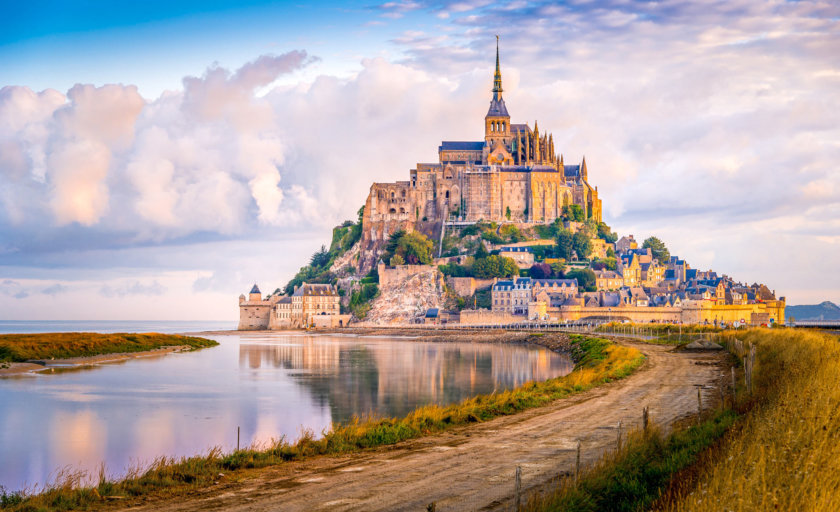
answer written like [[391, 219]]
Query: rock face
[[403, 301], [701, 344]]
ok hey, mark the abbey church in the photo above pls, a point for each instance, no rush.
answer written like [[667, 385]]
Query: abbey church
[[513, 175]]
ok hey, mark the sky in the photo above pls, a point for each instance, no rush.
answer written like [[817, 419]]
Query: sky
[[158, 158]]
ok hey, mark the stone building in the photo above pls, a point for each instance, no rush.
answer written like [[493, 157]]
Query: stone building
[[513, 175], [310, 306], [254, 311]]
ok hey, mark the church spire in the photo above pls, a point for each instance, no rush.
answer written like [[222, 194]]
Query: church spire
[[497, 78]]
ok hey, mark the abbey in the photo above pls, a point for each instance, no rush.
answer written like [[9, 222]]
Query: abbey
[[513, 175]]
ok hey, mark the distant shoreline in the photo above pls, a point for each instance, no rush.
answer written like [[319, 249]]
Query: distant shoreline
[[16, 368], [24, 353]]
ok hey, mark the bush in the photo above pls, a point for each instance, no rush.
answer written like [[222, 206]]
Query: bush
[[495, 266]]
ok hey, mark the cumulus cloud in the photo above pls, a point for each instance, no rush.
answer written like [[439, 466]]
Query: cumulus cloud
[[200, 159]]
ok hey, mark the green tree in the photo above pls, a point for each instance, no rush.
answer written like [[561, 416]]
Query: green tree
[[585, 278], [481, 252], [507, 212], [605, 234], [558, 268], [565, 244], [581, 244], [657, 248], [397, 260], [495, 266], [415, 248], [320, 258]]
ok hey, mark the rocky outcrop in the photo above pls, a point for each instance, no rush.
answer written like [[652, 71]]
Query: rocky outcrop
[[407, 299]]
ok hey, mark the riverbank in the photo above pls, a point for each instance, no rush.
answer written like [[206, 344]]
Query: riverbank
[[21, 353], [470, 467], [598, 361]]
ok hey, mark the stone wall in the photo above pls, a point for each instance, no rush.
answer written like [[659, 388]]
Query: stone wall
[[485, 317], [463, 286], [254, 316], [391, 276]]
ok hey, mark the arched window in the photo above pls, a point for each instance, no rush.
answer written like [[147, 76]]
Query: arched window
[[392, 210], [392, 195], [402, 210], [447, 194], [403, 193]]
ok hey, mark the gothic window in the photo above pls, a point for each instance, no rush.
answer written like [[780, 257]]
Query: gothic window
[[392, 195]]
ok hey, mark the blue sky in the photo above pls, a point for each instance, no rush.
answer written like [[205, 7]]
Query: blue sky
[[157, 159]]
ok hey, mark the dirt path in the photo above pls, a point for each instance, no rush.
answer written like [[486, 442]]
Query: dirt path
[[472, 468]]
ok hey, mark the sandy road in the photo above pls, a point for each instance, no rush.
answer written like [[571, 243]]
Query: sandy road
[[472, 468]]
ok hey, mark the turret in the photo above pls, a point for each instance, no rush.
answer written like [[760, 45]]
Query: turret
[[497, 120], [255, 294]]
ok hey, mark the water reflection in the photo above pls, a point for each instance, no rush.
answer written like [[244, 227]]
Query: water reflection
[[391, 379], [268, 385]]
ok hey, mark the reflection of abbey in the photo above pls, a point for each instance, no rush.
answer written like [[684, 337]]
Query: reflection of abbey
[[513, 175]]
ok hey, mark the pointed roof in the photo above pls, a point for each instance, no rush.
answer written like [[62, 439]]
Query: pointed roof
[[255, 289], [497, 104]]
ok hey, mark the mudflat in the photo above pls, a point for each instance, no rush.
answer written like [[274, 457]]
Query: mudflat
[[471, 468]]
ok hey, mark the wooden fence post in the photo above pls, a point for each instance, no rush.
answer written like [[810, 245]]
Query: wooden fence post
[[577, 463], [517, 489], [733, 383], [645, 418], [618, 437], [699, 400]]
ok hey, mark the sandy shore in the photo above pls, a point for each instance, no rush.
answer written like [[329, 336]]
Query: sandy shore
[[79, 362]]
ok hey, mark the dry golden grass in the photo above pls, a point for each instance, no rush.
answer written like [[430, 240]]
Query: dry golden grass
[[23, 347], [785, 453]]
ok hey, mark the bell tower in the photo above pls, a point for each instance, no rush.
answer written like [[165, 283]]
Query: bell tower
[[497, 120]]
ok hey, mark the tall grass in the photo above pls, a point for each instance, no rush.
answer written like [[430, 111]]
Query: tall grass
[[785, 455], [776, 448], [631, 479], [23, 347], [597, 361]]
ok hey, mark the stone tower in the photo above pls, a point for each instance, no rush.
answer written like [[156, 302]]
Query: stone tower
[[497, 120]]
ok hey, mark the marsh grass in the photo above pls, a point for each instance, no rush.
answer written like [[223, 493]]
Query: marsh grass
[[597, 360], [773, 449], [631, 479], [785, 454], [24, 347]]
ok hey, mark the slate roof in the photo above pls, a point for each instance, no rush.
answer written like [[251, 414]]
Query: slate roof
[[307, 289], [558, 282], [497, 108], [571, 170], [255, 289], [519, 128], [432, 313], [460, 145]]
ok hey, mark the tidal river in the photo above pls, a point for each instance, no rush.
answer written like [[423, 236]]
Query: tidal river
[[269, 385]]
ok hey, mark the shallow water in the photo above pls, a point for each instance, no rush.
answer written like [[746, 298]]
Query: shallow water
[[269, 385]]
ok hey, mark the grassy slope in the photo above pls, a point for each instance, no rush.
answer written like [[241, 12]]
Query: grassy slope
[[782, 455], [22, 347], [785, 454], [597, 361]]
